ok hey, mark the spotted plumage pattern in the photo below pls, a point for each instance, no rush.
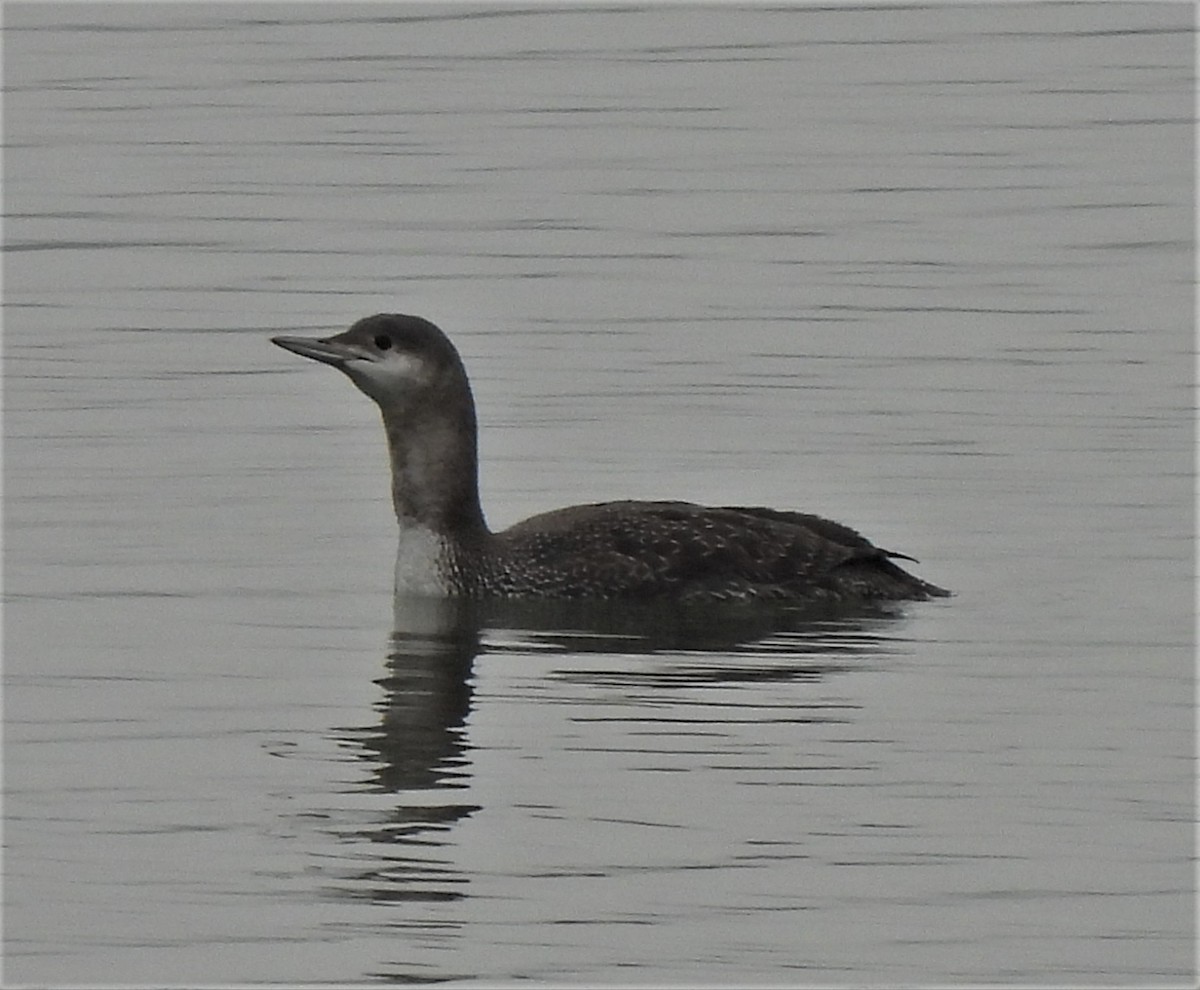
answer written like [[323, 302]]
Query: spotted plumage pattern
[[681, 551]]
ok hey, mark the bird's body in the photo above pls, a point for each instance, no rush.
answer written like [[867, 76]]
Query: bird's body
[[611, 550]]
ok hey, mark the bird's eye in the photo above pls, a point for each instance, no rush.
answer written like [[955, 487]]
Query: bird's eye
[[383, 342]]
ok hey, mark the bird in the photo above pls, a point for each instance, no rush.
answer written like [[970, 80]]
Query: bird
[[644, 551]]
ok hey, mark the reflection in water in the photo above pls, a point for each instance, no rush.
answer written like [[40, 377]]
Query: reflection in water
[[418, 752], [418, 749], [691, 646], [427, 695]]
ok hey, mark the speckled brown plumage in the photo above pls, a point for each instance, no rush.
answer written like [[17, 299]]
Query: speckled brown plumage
[[613, 550], [683, 551]]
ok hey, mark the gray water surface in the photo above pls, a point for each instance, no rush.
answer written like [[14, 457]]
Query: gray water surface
[[926, 270]]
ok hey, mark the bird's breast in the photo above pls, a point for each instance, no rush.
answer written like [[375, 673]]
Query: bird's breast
[[423, 563]]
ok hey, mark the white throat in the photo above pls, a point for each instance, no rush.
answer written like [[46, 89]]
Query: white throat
[[422, 562]]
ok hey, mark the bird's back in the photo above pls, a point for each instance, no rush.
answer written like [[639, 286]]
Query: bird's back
[[683, 551]]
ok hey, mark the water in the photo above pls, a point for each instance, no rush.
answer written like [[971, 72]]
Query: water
[[926, 270]]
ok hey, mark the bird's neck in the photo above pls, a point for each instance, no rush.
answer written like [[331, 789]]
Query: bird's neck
[[435, 472]]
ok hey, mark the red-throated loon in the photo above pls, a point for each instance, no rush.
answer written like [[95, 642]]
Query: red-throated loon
[[611, 550]]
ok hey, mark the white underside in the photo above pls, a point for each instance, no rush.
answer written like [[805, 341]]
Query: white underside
[[421, 560]]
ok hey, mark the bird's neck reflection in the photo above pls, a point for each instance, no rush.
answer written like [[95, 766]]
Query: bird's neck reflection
[[420, 742]]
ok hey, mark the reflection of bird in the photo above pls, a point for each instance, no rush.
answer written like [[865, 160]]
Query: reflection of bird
[[612, 550]]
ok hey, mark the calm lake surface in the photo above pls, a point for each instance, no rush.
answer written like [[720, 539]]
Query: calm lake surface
[[924, 269]]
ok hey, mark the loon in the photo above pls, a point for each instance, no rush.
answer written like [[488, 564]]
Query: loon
[[630, 550]]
